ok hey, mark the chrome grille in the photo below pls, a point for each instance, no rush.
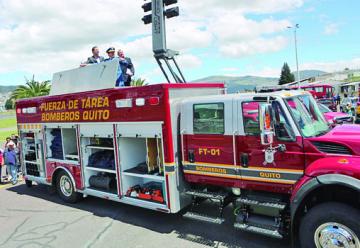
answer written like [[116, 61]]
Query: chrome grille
[[327, 147], [345, 119]]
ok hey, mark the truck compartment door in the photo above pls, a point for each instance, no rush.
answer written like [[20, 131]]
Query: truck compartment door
[[208, 140]]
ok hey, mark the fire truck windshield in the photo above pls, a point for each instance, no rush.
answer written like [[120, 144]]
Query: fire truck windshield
[[307, 115]]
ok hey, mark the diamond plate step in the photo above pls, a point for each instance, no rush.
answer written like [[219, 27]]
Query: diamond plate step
[[202, 217]]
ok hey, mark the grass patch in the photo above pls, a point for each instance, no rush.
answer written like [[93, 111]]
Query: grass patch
[[354, 79], [9, 122], [4, 134]]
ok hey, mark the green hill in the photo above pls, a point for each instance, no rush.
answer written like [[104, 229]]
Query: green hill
[[7, 89], [309, 73]]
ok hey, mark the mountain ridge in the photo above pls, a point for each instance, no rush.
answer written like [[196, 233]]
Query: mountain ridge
[[248, 82]]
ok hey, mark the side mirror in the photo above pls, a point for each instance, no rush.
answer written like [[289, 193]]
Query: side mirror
[[266, 124]]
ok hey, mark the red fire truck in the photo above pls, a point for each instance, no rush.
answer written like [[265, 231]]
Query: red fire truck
[[170, 147]]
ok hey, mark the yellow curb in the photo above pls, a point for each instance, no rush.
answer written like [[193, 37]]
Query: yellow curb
[[9, 184]]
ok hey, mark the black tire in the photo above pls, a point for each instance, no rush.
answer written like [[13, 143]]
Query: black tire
[[331, 212], [28, 183], [67, 194]]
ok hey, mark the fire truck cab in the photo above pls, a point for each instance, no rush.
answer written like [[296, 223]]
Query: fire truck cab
[[170, 147]]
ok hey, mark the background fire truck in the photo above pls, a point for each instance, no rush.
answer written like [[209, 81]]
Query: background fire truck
[[173, 147]]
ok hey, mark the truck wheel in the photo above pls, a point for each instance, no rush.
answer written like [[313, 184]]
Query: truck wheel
[[330, 225], [28, 183], [66, 189]]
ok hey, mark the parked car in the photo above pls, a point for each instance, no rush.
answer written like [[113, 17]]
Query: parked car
[[352, 102], [328, 102], [335, 117]]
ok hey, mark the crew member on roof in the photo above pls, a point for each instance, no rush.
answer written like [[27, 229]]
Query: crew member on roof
[[120, 79], [127, 67], [96, 58], [111, 53]]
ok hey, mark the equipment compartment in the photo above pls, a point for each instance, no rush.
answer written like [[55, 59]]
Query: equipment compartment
[[54, 146], [32, 153], [151, 190], [141, 156], [70, 144], [101, 181], [142, 168], [99, 164], [32, 169], [28, 147], [61, 144]]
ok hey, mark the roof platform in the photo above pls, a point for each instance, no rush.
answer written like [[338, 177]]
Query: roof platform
[[91, 77]]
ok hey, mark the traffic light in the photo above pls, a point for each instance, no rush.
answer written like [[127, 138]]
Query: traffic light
[[147, 19], [169, 2], [147, 7], [172, 12], [159, 8]]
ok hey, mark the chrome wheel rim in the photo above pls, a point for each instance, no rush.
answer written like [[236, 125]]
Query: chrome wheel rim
[[66, 186], [334, 235]]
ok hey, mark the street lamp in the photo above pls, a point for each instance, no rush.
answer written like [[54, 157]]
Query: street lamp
[[296, 52]]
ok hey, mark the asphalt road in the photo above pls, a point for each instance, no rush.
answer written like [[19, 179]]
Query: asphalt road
[[32, 217], [7, 116]]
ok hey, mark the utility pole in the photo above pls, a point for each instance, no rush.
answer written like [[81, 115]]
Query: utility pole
[[296, 52]]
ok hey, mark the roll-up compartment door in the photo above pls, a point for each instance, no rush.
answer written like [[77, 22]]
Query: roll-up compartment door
[[97, 130], [140, 129]]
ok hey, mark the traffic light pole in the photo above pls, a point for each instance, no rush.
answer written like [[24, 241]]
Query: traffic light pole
[[161, 52]]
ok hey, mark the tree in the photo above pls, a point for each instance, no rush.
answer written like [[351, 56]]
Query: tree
[[138, 82], [32, 88], [9, 104], [286, 75]]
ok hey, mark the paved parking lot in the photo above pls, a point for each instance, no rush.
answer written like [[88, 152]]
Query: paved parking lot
[[31, 217]]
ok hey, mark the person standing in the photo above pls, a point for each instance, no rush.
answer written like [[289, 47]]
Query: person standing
[[10, 161], [119, 76], [1, 164], [96, 58], [8, 139], [127, 67], [338, 99], [111, 53]]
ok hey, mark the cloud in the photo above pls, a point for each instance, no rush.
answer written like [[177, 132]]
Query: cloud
[[332, 28], [230, 69], [189, 61], [258, 45], [244, 6], [40, 36], [332, 66], [266, 72]]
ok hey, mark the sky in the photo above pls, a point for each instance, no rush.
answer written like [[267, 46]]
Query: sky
[[214, 37]]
